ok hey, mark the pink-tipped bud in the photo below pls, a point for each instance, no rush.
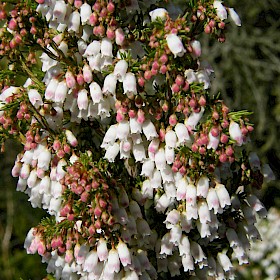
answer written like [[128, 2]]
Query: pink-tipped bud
[[110, 33], [80, 79], [224, 138], [120, 37], [71, 139], [163, 59], [173, 120], [175, 88], [111, 7], [12, 24], [140, 116]]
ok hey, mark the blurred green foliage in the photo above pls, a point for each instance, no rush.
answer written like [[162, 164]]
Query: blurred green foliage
[[247, 70]]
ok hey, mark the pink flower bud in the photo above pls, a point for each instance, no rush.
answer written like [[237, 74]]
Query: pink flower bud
[[70, 79], [87, 74], [120, 37], [196, 48]]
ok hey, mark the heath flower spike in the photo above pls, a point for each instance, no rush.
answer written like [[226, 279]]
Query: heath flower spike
[[137, 164]]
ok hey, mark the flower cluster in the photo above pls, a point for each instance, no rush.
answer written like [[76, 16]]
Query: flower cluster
[[143, 171], [264, 254]]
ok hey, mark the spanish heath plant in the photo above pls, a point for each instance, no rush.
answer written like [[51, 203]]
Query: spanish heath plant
[[143, 172]]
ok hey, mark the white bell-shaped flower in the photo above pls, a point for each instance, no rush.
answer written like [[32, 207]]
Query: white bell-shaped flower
[[160, 160], [191, 211], [112, 151], [124, 253], [213, 142], [204, 229], [181, 188], [167, 174], [59, 11], [120, 70], [187, 262], [191, 194], [221, 10], [175, 45], [156, 179], [169, 155], [182, 133], [113, 260], [35, 98], [147, 168], [213, 200], [95, 92], [170, 189], [235, 133], [160, 13], [51, 88], [123, 130], [135, 126], [175, 234], [197, 252], [60, 169], [102, 250], [87, 74], [110, 83], [139, 152], [61, 92], [149, 130], [85, 11], [203, 212], [129, 84], [234, 16], [223, 195], [146, 189], [196, 48], [82, 99], [162, 203], [194, 118], [106, 48], [44, 159], [74, 22], [225, 262], [103, 109], [170, 139], [93, 48], [202, 186], [110, 136]]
